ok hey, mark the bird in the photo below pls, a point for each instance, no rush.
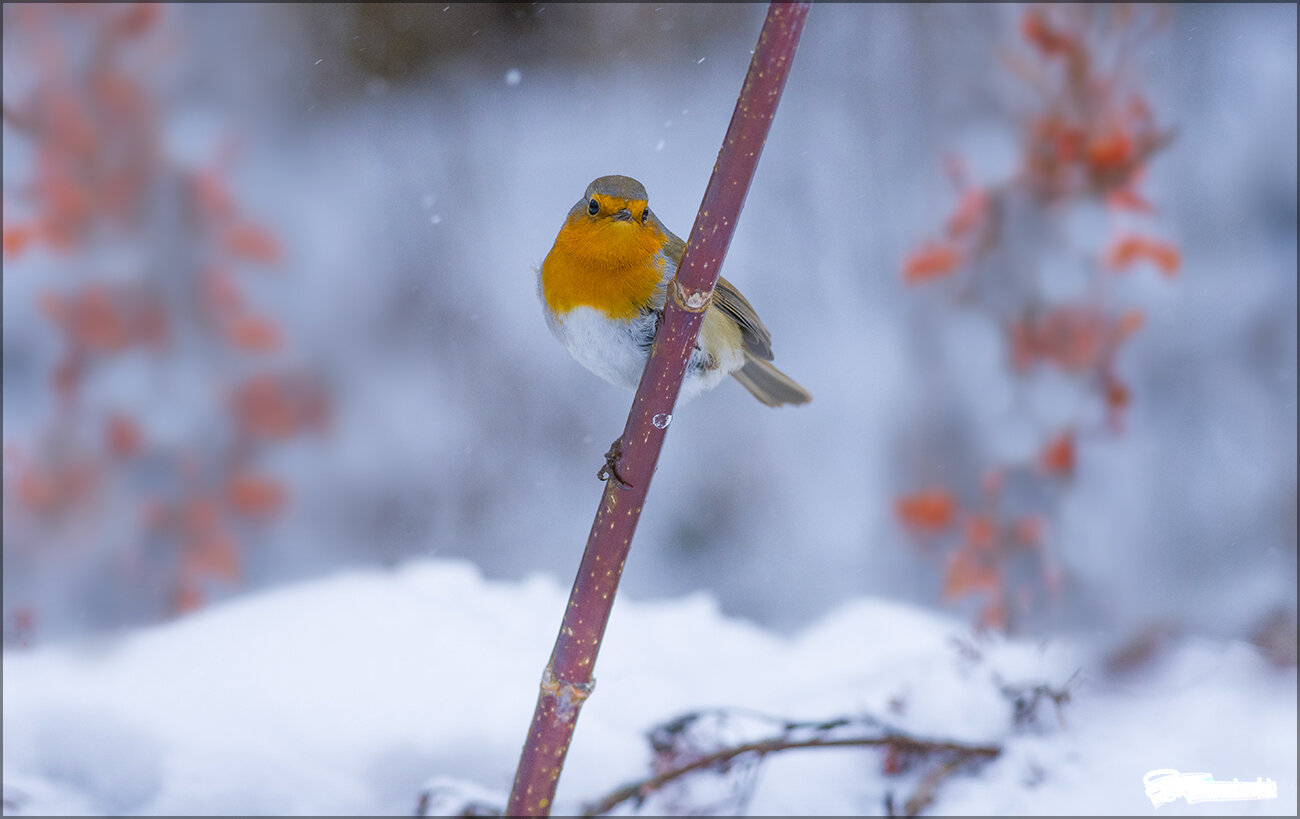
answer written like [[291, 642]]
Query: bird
[[603, 285]]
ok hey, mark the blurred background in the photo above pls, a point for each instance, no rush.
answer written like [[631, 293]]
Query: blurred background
[[270, 307]]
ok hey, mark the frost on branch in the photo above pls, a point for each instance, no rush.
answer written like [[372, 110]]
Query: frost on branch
[[710, 761]]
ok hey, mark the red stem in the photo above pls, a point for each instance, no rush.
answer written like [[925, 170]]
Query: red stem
[[568, 679]]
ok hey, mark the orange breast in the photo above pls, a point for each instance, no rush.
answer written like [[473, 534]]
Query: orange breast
[[614, 267]]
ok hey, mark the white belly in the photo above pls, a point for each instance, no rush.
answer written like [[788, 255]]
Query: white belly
[[617, 350], [614, 350]]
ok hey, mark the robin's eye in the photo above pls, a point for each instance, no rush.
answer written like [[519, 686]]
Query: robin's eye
[[593, 208], [644, 215]]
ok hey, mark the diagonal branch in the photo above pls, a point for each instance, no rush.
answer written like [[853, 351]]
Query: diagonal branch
[[567, 680]]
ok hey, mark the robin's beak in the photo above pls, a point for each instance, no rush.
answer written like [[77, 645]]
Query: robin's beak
[[623, 215]]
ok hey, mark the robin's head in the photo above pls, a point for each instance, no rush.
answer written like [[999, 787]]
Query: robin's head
[[613, 200]]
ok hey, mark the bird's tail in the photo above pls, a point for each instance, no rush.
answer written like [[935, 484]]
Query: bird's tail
[[770, 385]]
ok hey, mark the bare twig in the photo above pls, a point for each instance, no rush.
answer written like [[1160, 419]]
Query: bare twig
[[924, 794], [960, 752], [567, 679], [1026, 699]]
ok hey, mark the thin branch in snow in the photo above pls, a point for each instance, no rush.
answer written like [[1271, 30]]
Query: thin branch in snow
[[680, 739]]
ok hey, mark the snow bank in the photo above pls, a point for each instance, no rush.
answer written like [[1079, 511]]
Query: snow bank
[[348, 695]]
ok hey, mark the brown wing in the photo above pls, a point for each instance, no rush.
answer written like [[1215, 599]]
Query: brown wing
[[755, 337]]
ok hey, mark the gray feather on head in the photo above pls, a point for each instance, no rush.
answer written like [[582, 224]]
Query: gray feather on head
[[618, 187]]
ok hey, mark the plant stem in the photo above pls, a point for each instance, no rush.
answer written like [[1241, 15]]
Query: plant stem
[[568, 680]]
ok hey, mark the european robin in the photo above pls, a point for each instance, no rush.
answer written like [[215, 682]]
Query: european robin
[[603, 285]]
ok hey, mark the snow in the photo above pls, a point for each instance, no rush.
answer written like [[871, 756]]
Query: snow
[[353, 693]]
